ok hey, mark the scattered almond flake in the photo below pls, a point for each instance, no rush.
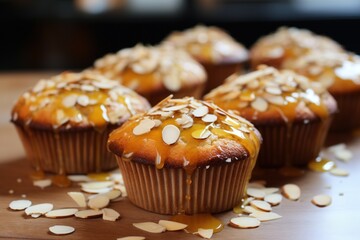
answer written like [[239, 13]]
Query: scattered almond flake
[[321, 200], [270, 190], [201, 134], [59, 213], [79, 198], [110, 214], [23, 195], [104, 84], [274, 199], [174, 108], [61, 229], [250, 209], [337, 147], [256, 184], [339, 172], [228, 160], [79, 178], [36, 215], [122, 189], [259, 104], [42, 183], [69, 101], [200, 111], [150, 227], [97, 190], [39, 208], [83, 100], [209, 118], [265, 216], [20, 204], [144, 126], [172, 226], [205, 233], [131, 238], [244, 222], [170, 134], [262, 205], [97, 185], [90, 213], [256, 193], [19, 180], [98, 202], [247, 201], [113, 194], [273, 90], [344, 155], [291, 191]]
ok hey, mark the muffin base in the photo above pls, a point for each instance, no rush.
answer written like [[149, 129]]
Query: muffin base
[[292, 145], [67, 152], [173, 190]]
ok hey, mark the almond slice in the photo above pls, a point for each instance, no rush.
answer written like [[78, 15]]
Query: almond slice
[[69, 101], [170, 134], [42, 183], [205, 233], [339, 172], [20, 204], [88, 213], [174, 108], [209, 118], [344, 155], [321, 200], [273, 90], [244, 222], [291, 191], [250, 209], [97, 185], [262, 205], [274, 199], [200, 111], [36, 215], [172, 226], [98, 191], [150, 227], [270, 190], [39, 208], [201, 134], [61, 229], [144, 126], [79, 178], [265, 216], [259, 104], [59, 213], [113, 194], [78, 197], [256, 193], [110, 214], [83, 100], [98, 202], [131, 238]]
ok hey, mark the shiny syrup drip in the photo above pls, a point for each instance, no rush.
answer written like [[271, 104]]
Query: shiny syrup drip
[[196, 221], [99, 176], [238, 209], [321, 165]]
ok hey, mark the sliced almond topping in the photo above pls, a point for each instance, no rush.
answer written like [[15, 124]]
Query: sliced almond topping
[[157, 122], [259, 104], [277, 100], [61, 229], [172, 226], [265, 216], [39, 208], [205, 233], [201, 111], [98, 202], [69, 101], [244, 222], [262, 205], [20, 204], [174, 108], [291, 191], [110, 214], [104, 84], [131, 238], [256, 193], [201, 134], [170, 134], [339, 172], [274, 199], [273, 90], [42, 183], [88, 213], [150, 227], [83, 100], [321, 200], [78, 197], [59, 213], [87, 88], [209, 118], [172, 83], [144, 126]]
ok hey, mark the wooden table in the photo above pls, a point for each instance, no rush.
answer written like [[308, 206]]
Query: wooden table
[[301, 219]]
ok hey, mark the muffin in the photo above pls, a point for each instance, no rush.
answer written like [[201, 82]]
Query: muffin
[[292, 114], [185, 156], [340, 74], [154, 72], [217, 51], [64, 121], [287, 44]]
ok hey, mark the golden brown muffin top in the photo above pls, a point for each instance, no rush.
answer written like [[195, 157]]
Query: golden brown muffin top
[[77, 100], [145, 69], [288, 43], [185, 133], [338, 72], [208, 45], [269, 96]]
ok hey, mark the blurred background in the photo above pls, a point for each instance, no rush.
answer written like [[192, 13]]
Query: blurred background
[[71, 34]]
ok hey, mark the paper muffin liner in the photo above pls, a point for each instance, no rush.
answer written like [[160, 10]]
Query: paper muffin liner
[[171, 190], [70, 152], [292, 145], [348, 116]]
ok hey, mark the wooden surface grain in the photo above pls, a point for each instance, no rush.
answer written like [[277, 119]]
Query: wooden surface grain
[[301, 219]]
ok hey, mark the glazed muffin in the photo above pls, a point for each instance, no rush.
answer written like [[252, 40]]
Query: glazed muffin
[[292, 117], [340, 74], [154, 72], [288, 44], [185, 156], [64, 121], [217, 51]]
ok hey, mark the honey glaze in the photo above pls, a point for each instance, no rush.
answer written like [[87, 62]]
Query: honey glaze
[[99, 176], [196, 221], [321, 165]]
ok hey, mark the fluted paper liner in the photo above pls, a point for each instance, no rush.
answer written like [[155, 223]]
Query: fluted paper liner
[[73, 152], [348, 116], [170, 191]]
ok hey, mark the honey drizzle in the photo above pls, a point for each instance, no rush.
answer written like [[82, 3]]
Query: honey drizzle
[[196, 221], [321, 165]]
